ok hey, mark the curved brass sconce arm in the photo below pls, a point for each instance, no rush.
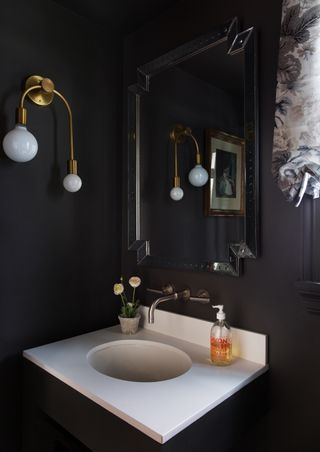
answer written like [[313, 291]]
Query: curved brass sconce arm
[[21, 146], [178, 135], [72, 163], [198, 155], [198, 176]]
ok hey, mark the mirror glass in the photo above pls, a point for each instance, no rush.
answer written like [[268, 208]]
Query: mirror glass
[[202, 85]]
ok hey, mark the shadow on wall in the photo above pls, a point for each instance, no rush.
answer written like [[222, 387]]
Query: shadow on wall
[[55, 188]]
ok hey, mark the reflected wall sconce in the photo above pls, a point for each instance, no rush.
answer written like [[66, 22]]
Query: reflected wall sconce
[[21, 146], [198, 176]]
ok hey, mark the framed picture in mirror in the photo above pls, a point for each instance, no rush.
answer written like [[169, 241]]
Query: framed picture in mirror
[[224, 194]]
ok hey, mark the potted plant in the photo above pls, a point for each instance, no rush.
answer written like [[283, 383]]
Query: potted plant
[[129, 316]]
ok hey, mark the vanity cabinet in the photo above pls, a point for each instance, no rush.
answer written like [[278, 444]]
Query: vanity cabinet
[[57, 418]]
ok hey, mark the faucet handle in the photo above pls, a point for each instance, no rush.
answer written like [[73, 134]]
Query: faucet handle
[[202, 296], [185, 294], [168, 289]]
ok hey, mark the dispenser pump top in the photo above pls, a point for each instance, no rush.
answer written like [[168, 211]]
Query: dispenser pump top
[[220, 314]]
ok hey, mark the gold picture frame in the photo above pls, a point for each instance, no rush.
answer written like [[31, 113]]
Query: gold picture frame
[[224, 193]]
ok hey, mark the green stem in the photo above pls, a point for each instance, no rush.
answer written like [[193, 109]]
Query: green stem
[[133, 292], [122, 300]]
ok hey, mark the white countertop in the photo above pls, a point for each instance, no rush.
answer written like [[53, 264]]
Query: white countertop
[[158, 409]]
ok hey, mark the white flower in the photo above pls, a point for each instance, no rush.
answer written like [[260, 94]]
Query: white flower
[[118, 289], [134, 281]]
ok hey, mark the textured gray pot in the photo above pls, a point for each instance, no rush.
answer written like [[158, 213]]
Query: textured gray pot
[[129, 325]]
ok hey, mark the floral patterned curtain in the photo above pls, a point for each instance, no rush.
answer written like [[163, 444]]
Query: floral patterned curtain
[[296, 143]]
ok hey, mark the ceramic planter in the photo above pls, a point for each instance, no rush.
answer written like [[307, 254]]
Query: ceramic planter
[[129, 325]]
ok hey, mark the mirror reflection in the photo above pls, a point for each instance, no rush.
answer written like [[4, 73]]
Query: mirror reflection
[[192, 161]]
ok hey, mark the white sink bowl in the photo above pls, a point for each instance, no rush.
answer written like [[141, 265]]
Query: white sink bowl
[[139, 360]]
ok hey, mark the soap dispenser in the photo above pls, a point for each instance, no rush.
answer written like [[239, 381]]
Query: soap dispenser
[[221, 340]]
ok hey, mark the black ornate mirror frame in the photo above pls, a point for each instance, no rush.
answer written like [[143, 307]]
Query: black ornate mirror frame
[[248, 248]]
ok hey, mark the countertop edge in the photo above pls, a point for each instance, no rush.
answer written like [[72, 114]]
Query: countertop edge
[[160, 438]]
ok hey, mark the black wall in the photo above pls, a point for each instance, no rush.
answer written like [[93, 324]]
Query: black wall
[[59, 252], [264, 298]]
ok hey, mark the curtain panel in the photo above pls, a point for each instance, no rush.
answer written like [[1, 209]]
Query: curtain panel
[[296, 143]]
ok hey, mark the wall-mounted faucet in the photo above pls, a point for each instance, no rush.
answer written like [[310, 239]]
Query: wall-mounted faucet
[[168, 293]]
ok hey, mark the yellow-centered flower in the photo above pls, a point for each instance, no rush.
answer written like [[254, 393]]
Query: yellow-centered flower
[[134, 281], [118, 289]]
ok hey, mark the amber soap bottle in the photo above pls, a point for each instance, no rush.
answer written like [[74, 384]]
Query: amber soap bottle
[[221, 339]]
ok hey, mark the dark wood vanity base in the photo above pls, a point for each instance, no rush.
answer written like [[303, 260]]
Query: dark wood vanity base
[[59, 419]]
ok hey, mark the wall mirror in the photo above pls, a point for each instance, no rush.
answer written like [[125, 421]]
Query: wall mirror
[[208, 86]]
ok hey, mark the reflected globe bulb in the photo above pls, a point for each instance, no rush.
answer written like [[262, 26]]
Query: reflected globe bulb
[[198, 176], [20, 145], [72, 183], [176, 193]]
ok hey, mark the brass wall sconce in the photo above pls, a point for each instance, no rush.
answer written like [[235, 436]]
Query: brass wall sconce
[[21, 146], [198, 176]]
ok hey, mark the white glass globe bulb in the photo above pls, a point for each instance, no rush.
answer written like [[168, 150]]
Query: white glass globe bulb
[[72, 182], [198, 176], [20, 145], [176, 193]]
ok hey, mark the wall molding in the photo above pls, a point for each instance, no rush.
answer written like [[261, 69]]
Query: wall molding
[[309, 291], [308, 287]]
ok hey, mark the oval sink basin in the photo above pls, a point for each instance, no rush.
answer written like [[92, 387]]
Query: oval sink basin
[[138, 360]]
